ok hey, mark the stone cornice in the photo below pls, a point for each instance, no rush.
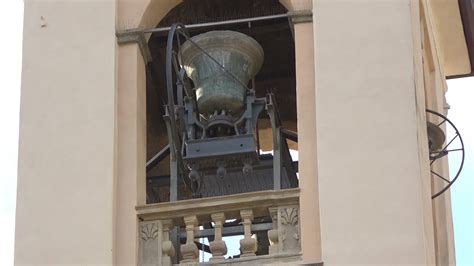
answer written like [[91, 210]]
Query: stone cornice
[[232, 204]]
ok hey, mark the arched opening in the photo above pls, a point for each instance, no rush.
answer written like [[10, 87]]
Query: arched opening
[[277, 74]]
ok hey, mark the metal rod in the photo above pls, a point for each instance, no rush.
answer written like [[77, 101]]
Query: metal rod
[[208, 24], [229, 231], [258, 137], [454, 150], [446, 146], [288, 134], [444, 120], [217, 23], [203, 247], [438, 175], [158, 158]]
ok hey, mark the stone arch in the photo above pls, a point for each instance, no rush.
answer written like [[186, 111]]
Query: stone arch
[[131, 125], [155, 11]]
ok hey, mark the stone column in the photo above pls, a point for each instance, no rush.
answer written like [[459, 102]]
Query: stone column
[[167, 247], [248, 245], [300, 12], [273, 234], [218, 246], [189, 251]]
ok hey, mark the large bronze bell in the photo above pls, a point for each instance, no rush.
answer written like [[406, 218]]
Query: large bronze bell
[[219, 90]]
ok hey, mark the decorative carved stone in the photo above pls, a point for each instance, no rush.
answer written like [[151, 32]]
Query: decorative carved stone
[[248, 245], [218, 249], [218, 246], [149, 243], [149, 231], [155, 247], [289, 228], [189, 250]]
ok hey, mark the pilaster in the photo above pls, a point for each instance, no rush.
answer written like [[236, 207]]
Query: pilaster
[[301, 15]]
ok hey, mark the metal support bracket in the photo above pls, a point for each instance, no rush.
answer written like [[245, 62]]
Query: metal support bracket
[[276, 143], [137, 37]]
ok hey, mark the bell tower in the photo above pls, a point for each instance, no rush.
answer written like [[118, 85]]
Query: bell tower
[[169, 132]]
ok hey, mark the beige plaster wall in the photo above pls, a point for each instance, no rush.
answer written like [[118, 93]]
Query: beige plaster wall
[[371, 188], [67, 127]]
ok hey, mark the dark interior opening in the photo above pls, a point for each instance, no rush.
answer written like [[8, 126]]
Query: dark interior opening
[[277, 74]]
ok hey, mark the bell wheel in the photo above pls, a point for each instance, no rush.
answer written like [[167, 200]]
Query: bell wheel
[[440, 146]]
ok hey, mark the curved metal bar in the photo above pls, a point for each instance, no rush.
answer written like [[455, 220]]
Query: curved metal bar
[[463, 153], [170, 65]]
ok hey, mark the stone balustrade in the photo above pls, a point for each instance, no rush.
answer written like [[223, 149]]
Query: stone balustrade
[[169, 231]]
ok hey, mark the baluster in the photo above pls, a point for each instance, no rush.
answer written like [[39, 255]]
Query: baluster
[[167, 247], [218, 246], [189, 250], [248, 245], [273, 234]]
